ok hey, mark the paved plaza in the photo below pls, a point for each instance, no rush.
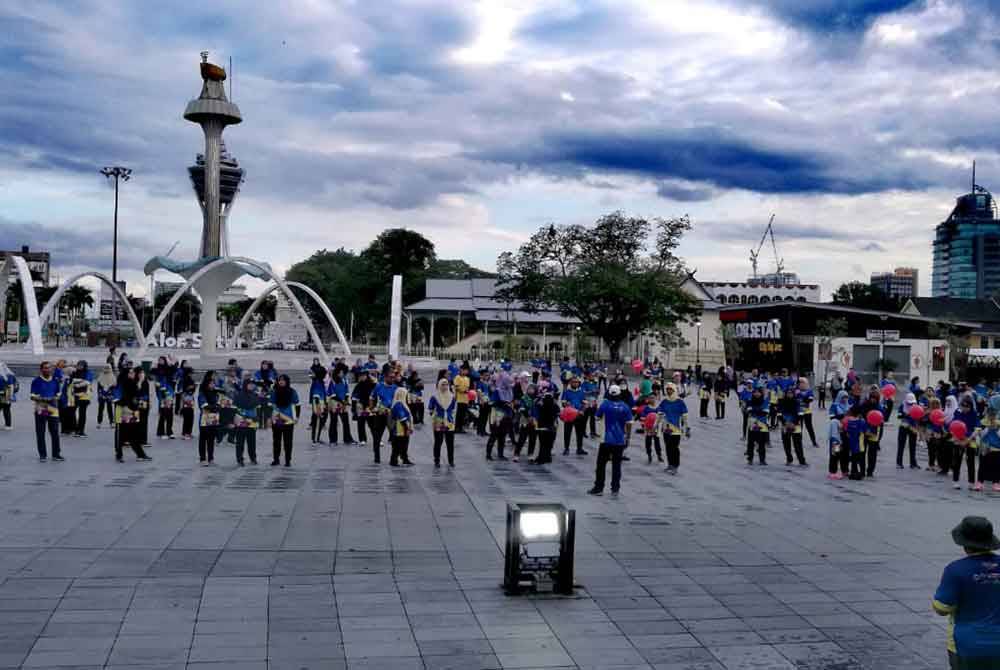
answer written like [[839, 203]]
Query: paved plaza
[[336, 563]]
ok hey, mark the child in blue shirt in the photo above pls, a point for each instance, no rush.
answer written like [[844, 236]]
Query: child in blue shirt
[[673, 419], [836, 447]]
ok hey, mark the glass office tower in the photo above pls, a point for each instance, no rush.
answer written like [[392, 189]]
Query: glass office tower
[[967, 249]]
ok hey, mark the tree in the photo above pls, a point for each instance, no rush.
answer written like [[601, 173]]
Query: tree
[[456, 269], [77, 298], [341, 279], [865, 296], [730, 343], [185, 314], [619, 277]]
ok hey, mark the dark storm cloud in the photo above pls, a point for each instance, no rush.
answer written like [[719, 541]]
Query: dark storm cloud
[[76, 247], [684, 192], [826, 16]]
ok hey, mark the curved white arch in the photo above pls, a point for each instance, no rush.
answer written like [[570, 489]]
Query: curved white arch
[[28, 301], [263, 268], [53, 302], [312, 294]]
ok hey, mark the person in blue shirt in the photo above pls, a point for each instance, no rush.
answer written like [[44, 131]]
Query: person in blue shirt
[[287, 411], [371, 365], [855, 428], [873, 434], [834, 434], [743, 392], [759, 431], [965, 448], [165, 385], [574, 396], [45, 389], [245, 403], [617, 416], [338, 402], [790, 417], [907, 436], [67, 401], [400, 428], [382, 399], [673, 418], [591, 392], [452, 369], [317, 401], [805, 396], [8, 393], [442, 407], [208, 422], [649, 419], [704, 395], [501, 416], [483, 386], [969, 595]]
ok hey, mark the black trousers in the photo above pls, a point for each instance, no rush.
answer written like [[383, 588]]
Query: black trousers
[[316, 423], [363, 424], [461, 416], [81, 416], [50, 423], [378, 426], [653, 441], [448, 437], [956, 463], [757, 439], [933, 451], [344, 420], [498, 435], [67, 420], [127, 435], [165, 421], [206, 442], [590, 415], [400, 449], [807, 421], [527, 434], [841, 460], [871, 452], [703, 409], [5, 409], [609, 452], [281, 440], [821, 396], [672, 445], [105, 407], [144, 426], [578, 426], [746, 423], [546, 440], [857, 465], [906, 438], [246, 437], [790, 440], [187, 421], [484, 419], [720, 409], [417, 411]]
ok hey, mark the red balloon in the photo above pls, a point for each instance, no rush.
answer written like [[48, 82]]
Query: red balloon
[[875, 418], [843, 423], [888, 391], [568, 414], [637, 365], [916, 412], [937, 417], [471, 395], [636, 409], [649, 421], [958, 430]]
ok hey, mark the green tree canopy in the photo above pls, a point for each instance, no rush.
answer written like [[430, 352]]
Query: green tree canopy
[[865, 296], [619, 277]]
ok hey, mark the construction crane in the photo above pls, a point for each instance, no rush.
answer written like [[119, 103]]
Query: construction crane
[[755, 254]]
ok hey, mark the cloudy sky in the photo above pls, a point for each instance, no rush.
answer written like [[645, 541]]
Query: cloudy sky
[[854, 121]]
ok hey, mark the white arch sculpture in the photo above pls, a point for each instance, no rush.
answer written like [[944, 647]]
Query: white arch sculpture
[[312, 294], [223, 264], [28, 300], [53, 302]]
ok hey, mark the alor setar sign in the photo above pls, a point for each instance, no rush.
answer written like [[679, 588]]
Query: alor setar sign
[[758, 330]]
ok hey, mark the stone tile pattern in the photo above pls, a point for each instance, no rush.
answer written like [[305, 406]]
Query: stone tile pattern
[[336, 563]]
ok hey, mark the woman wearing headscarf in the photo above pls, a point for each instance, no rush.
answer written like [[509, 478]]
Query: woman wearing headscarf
[[8, 391], [805, 397], [873, 434], [127, 416], [673, 419], [790, 418], [442, 407], [720, 391], [286, 412], [966, 447], [317, 401], [246, 403], [527, 430], [165, 385], [142, 396], [935, 436], [839, 409], [361, 399], [105, 400], [264, 379], [208, 423], [383, 397], [546, 414], [67, 401], [82, 388], [188, 392], [907, 432], [415, 397], [338, 401], [400, 425], [501, 415]]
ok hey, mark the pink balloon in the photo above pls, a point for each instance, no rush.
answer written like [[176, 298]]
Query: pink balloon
[[568, 414], [916, 412], [958, 430], [888, 391], [875, 418]]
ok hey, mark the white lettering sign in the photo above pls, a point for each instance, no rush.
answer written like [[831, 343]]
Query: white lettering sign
[[759, 330], [878, 335], [162, 341]]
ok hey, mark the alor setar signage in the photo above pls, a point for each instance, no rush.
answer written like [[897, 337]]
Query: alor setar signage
[[758, 330]]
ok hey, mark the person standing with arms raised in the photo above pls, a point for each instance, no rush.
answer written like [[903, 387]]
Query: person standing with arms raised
[[617, 417]]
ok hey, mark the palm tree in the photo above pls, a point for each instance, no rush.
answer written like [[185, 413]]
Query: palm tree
[[77, 298]]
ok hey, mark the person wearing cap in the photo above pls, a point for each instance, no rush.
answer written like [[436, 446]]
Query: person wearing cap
[[969, 595], [617, 417]]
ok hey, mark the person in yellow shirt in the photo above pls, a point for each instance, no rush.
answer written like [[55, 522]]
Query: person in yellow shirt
[[462, 383]]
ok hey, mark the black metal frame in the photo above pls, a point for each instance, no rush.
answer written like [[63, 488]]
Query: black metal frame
[[561, 568]]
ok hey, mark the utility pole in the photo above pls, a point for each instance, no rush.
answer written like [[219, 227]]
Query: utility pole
[[120, 174]]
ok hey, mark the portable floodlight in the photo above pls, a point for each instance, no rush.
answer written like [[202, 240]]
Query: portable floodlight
[[539, 550]]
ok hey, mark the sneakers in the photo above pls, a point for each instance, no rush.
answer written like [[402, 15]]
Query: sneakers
[[581, 452], [59, 459], [978, 486], [956, 486], [595, 492], [516, 459], [835, 476], [42, 459], [145, 458], [614, 494]]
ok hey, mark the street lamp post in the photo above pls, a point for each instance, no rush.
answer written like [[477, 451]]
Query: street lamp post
[[119, 173]]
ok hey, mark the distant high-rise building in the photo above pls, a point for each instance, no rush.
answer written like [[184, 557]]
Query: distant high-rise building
[[900, 283], [38, 264], [967, 249]]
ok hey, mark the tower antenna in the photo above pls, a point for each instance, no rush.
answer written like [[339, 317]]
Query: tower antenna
[[973, 175]]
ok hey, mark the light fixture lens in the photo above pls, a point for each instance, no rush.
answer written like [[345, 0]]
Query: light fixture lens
[[539, 524]]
